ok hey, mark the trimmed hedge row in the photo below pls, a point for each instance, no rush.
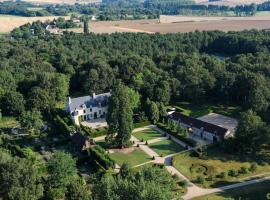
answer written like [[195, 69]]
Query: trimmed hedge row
[[94, 132], [101, 156], [188, 141], [62, 125]]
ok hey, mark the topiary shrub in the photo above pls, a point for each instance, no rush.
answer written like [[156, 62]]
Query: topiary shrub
[[146, 143]]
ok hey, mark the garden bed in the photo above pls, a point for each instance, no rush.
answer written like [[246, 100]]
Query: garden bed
[[217, 168]]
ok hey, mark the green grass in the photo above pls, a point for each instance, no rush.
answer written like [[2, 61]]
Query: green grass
[[166, 147], [8, 122], [257, 191], [134, 158], [204, 109], [141, 124], [217, 162], [147, 134]]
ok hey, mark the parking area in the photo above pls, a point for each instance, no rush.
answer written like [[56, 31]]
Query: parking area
[[95, 123], [221, 120]]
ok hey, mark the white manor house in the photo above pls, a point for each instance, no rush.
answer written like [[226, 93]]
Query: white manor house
[[88, 107]]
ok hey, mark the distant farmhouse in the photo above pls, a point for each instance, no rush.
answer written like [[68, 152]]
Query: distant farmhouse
[[88, 107], [202, 129]]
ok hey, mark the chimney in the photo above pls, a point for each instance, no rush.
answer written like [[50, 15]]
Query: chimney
[[94, 95]]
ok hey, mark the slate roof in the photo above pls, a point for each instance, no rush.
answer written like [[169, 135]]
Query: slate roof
[[89, 101], [211, 128]]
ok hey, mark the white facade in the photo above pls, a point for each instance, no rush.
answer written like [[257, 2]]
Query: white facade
[[88, 107]]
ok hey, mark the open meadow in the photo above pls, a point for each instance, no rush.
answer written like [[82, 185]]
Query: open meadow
[[9, 22]]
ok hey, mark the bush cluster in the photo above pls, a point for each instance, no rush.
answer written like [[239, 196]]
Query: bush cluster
[[100, 155]]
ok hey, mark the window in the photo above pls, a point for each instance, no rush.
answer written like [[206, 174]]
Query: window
[[100, 112], [83, 111], [90, 109]]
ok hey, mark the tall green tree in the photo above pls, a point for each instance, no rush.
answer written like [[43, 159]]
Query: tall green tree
[[31, 120], [150, 183], [19, 179], [153, 113], [62, 170], [120, 115], [248, 135]]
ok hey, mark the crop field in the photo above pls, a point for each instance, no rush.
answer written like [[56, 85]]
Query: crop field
[[174, 24], [9, 22], [60, 1], [229, 2]]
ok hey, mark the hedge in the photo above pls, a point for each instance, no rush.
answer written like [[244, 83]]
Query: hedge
[[101, 156], [94, 132], [62, 125], [188, 141]]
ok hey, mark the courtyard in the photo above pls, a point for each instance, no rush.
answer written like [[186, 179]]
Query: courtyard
[[95, 123]]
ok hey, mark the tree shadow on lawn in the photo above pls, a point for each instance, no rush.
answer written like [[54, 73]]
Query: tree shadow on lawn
[[166, 147], [217, 153], [222, 183]]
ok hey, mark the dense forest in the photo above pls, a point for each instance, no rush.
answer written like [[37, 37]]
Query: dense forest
[[38, 71]]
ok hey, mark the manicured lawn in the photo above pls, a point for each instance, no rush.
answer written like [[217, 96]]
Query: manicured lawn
[[8, 122], [147, 134], [166, 147], [201, 109], [256, 191], [217, 162], [141, 124], [134, 158]]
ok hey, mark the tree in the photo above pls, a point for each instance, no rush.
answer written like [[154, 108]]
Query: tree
[[150, 183], [124, 170], [248, 132], [31, 120], [62, 170], [78, 190], [120, 116], [19, 179], [86, 25], [12, 103], [154, 113]]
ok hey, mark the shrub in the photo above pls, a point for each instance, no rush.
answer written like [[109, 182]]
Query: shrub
[[243, 170], [161, 155], [146, 143], [153, 158], [188, 141], [210, 178], [138, 145], [233, 173], [223, 175], [253, 167], [101, 156], [183, 184], [200, 179], [142, 140]]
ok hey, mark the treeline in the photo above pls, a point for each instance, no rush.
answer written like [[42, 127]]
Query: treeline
[[178, 7], [22, 9]]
